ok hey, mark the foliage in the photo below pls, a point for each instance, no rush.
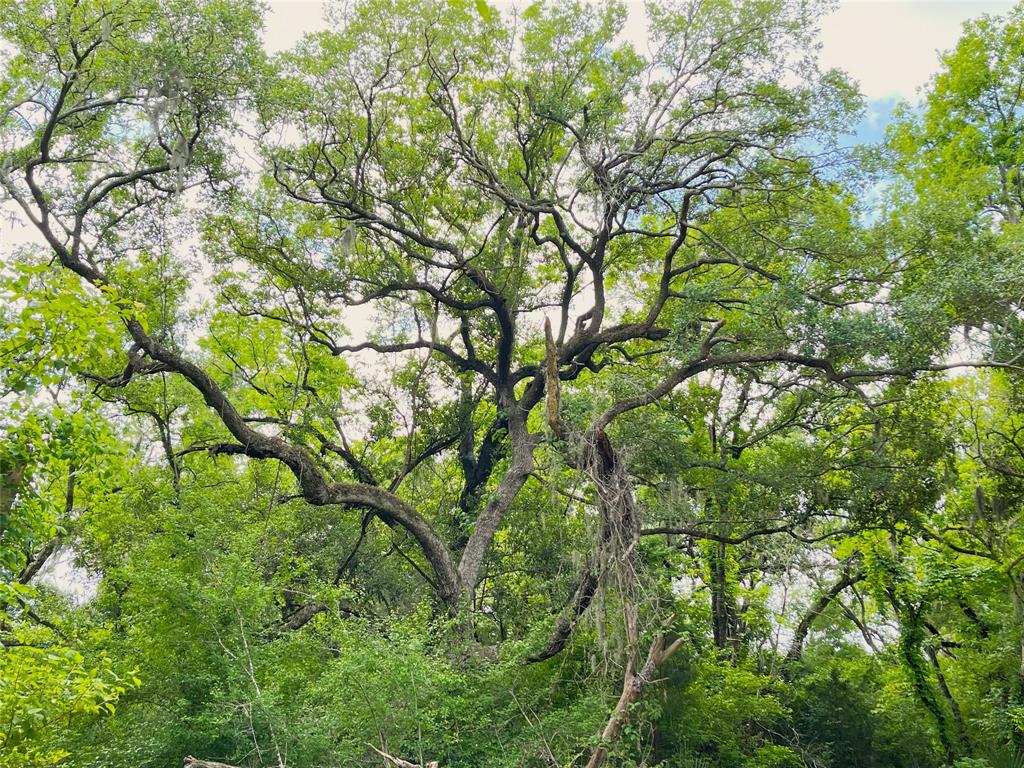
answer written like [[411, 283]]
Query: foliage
[[485, 389]]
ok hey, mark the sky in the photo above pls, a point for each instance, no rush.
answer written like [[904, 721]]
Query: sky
[[891, 47]]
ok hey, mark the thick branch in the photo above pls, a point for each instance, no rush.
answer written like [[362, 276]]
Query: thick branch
[[487, 524], [707, 362], [315, 486], [399, 762], [582, 596]]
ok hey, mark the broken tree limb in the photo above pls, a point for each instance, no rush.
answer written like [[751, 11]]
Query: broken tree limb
[[616, 540], [633, 687], [195, 762], [399, 762]]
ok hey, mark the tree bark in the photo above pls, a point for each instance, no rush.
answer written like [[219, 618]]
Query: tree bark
[[10, 485], [722, 608], [487, 523]]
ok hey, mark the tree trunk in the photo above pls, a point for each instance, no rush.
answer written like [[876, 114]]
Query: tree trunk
[[954, 706], [1017, 592], [10, 484], [911, 646], [721, 608]]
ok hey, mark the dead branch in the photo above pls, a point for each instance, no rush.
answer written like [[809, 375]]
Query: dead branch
[[399, 762], [633, 687], [195, 762]]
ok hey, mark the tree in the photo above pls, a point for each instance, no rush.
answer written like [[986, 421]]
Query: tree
[[518, 326]]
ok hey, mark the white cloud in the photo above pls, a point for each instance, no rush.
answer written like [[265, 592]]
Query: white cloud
[[288, 20], [891, 47]]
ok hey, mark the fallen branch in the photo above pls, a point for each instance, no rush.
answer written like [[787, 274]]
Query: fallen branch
[[399, 762], [195, 762]]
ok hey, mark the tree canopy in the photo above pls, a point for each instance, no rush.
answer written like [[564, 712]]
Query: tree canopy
[[467, 387]]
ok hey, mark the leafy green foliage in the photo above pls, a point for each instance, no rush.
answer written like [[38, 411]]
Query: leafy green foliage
[[290, 425]]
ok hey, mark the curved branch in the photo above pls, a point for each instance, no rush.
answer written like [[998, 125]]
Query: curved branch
[[851, 574], [707, 362], [316, 488], [583, 595]]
